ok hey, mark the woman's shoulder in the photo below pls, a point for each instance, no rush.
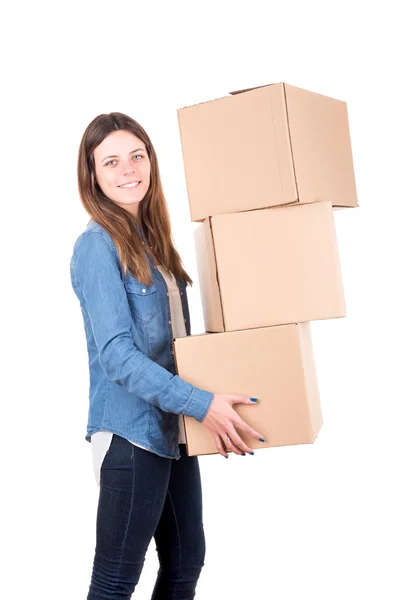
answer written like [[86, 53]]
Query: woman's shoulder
[[94, 236], [95, 228]]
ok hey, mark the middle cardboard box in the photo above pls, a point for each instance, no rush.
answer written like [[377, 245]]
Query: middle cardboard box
[[272, 266]]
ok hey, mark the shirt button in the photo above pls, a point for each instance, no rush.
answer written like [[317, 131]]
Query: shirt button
[[167, 294], [184, 320], [169, 321], [143, 291], [181, 293], [172, 352]]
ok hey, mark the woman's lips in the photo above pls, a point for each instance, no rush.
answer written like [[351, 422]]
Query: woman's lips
[[131, 187]]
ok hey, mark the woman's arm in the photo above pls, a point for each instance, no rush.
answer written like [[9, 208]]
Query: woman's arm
[[94, 269]]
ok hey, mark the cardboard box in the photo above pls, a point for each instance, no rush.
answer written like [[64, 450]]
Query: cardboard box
[[267, 146], [274, 364], [269, 267]]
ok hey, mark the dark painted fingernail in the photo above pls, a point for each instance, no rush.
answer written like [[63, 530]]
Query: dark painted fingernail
[[254, 399], [244, 454], [262, 440], [251, 452], [226, 456]]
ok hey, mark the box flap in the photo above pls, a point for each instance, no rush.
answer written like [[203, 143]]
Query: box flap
[[208, 277], [252, 88]]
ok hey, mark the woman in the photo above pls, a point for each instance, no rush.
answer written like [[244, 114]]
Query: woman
[[131, 287]]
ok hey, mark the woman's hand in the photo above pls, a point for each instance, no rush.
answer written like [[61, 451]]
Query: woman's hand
[[222, 420]]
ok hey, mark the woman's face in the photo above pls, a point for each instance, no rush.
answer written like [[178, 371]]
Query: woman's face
[[121, 159]]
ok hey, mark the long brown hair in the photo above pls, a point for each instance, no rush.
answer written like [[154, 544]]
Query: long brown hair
[[120, 223]]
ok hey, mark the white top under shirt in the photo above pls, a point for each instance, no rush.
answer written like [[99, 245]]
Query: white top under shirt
[[101, 440]]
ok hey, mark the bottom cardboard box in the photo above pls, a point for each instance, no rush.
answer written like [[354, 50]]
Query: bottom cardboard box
[[274, 364]]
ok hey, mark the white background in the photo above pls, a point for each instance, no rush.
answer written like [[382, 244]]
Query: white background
[[311, 522]]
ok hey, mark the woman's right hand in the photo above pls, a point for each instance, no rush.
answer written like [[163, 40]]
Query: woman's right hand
[[222, 420]]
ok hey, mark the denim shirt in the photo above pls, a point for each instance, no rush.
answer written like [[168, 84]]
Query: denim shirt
[[134, 390]]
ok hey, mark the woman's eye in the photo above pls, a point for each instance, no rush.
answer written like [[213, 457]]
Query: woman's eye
[[110, 161]]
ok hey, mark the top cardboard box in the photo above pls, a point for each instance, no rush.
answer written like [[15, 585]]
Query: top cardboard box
[[267, 146]]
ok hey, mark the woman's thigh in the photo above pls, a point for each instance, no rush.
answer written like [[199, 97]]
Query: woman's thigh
[[179, 536], [133, 487]]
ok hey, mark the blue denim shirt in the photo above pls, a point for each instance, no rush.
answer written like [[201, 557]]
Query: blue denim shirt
[[134, 390]]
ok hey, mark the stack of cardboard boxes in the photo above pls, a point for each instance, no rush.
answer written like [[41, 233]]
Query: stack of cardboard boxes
[[265, 169]]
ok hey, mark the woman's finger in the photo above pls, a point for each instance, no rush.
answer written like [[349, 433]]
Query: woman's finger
[[230, 445], [219, 446], [237, 441], [243, 426]]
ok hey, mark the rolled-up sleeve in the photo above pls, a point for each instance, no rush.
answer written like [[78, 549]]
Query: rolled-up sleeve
[[95, 269]]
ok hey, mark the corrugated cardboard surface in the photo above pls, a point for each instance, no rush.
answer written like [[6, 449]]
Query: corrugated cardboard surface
[[321, 147], [267, 146], [208, 278], [274, 364], [269, 267]]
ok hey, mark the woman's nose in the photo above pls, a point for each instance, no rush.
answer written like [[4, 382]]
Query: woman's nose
[[127, 168]]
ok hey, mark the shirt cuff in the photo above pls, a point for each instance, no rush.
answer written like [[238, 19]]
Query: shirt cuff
[[198, 404]]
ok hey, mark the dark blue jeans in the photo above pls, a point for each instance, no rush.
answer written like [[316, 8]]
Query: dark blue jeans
[[144, 495]]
